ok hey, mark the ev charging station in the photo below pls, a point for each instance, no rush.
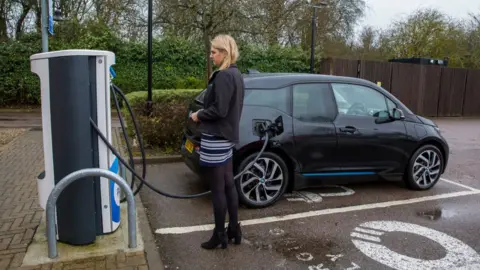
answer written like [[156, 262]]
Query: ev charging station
[[75, 87]]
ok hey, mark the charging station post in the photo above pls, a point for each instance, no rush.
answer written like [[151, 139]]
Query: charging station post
[[75, 88]]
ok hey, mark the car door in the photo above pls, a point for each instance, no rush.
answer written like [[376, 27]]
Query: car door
[[313, 112], [364, 146]]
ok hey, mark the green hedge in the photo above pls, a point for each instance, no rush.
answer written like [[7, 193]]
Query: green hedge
[[177, 63], [163, 130]]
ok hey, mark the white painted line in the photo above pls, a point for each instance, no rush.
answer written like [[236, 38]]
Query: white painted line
[[458, 184], [365, 237], [368, 231], [372, 228], [198, 228]]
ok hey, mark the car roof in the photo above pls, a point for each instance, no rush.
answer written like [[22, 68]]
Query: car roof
[[278, 80]]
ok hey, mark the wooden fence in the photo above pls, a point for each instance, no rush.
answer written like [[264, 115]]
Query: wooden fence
[[433, 91]]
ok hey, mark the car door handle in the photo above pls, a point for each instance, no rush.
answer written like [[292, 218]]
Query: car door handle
[[348, 129]]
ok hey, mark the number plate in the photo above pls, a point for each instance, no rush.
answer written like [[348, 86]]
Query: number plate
[[189, 146]]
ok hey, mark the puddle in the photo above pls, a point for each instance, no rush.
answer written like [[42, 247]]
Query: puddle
[[431, 214], [436, 214]]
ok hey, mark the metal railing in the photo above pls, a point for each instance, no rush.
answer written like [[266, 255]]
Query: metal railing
[[74, 176]]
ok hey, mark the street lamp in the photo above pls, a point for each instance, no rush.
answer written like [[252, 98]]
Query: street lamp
[[314, 17]]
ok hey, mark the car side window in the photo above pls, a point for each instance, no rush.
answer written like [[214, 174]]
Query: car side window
[[358, 100], [390, 105], [273, 98], [313, 102]]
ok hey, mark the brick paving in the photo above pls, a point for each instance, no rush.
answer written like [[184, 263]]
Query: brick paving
[[21, 161]]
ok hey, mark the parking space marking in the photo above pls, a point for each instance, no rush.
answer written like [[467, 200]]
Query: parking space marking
[[311, 197], [365, 237], [208, 227], [368, 231], [458, 184], [458, 254]]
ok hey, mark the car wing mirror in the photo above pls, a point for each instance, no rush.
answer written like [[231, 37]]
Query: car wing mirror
[[382, 117], [398, 114]]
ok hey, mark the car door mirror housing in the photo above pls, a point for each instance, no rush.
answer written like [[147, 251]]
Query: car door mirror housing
[[398, 114], [385, 116]]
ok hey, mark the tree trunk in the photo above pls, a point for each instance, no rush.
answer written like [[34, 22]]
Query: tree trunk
[[25, 10], [3, 21], [38, 16], [206, 39], [3, 29]]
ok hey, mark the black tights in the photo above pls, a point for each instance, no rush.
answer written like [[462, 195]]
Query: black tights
[[224, 194]]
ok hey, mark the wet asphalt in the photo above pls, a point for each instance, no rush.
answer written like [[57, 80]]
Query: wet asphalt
[[375, 225]]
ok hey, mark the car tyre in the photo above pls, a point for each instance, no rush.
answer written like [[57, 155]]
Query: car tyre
[[269, 177], [424, 168]]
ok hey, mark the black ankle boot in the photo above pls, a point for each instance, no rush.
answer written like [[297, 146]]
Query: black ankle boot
[[235, 232], [218, 238]]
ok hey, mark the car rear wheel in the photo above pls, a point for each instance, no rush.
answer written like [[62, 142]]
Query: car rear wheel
[[264, 183], [424, 168]]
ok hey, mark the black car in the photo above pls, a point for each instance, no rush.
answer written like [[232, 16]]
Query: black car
[[336, 129]]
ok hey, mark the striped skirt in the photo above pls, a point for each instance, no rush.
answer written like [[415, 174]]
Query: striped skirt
[[215, 151]]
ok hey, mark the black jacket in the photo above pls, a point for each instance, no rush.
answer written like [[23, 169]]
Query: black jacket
[[223, 104]]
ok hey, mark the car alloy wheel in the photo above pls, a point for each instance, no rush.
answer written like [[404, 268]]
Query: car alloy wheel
[[264, 183], [425, 168]]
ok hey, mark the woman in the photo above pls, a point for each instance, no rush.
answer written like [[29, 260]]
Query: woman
[[219, 123]]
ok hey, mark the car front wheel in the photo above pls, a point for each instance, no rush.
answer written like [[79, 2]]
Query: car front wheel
[[264, 183], [424, 168]]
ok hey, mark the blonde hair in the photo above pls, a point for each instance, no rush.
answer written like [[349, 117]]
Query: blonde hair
[[227, 45]]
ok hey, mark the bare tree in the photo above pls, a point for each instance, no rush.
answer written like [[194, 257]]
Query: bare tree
[[203, 19]]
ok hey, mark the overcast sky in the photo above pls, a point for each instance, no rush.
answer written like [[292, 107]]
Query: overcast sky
[[380, 13]]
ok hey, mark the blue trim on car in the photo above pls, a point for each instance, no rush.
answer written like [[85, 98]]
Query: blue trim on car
[[338, 174]]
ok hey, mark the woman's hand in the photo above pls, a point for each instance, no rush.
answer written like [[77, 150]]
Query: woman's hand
[[194, 116]]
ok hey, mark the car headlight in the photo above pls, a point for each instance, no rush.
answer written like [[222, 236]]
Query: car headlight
[[437, 129]]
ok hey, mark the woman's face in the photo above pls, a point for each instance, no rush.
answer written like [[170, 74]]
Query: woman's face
[[216, 56]]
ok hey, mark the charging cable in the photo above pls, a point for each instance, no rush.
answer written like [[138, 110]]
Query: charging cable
[[263, 130]]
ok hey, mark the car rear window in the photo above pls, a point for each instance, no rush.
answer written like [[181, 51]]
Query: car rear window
[[273, 98]]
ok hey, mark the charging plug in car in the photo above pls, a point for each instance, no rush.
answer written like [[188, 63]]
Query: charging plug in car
[[262, 126]]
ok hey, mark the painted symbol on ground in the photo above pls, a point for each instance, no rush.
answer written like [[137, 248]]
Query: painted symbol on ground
[[308, 257], [334, 257], [304, 256], [367, 239], [311, 197], [276, 231], [321, 267], [317, 267]]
